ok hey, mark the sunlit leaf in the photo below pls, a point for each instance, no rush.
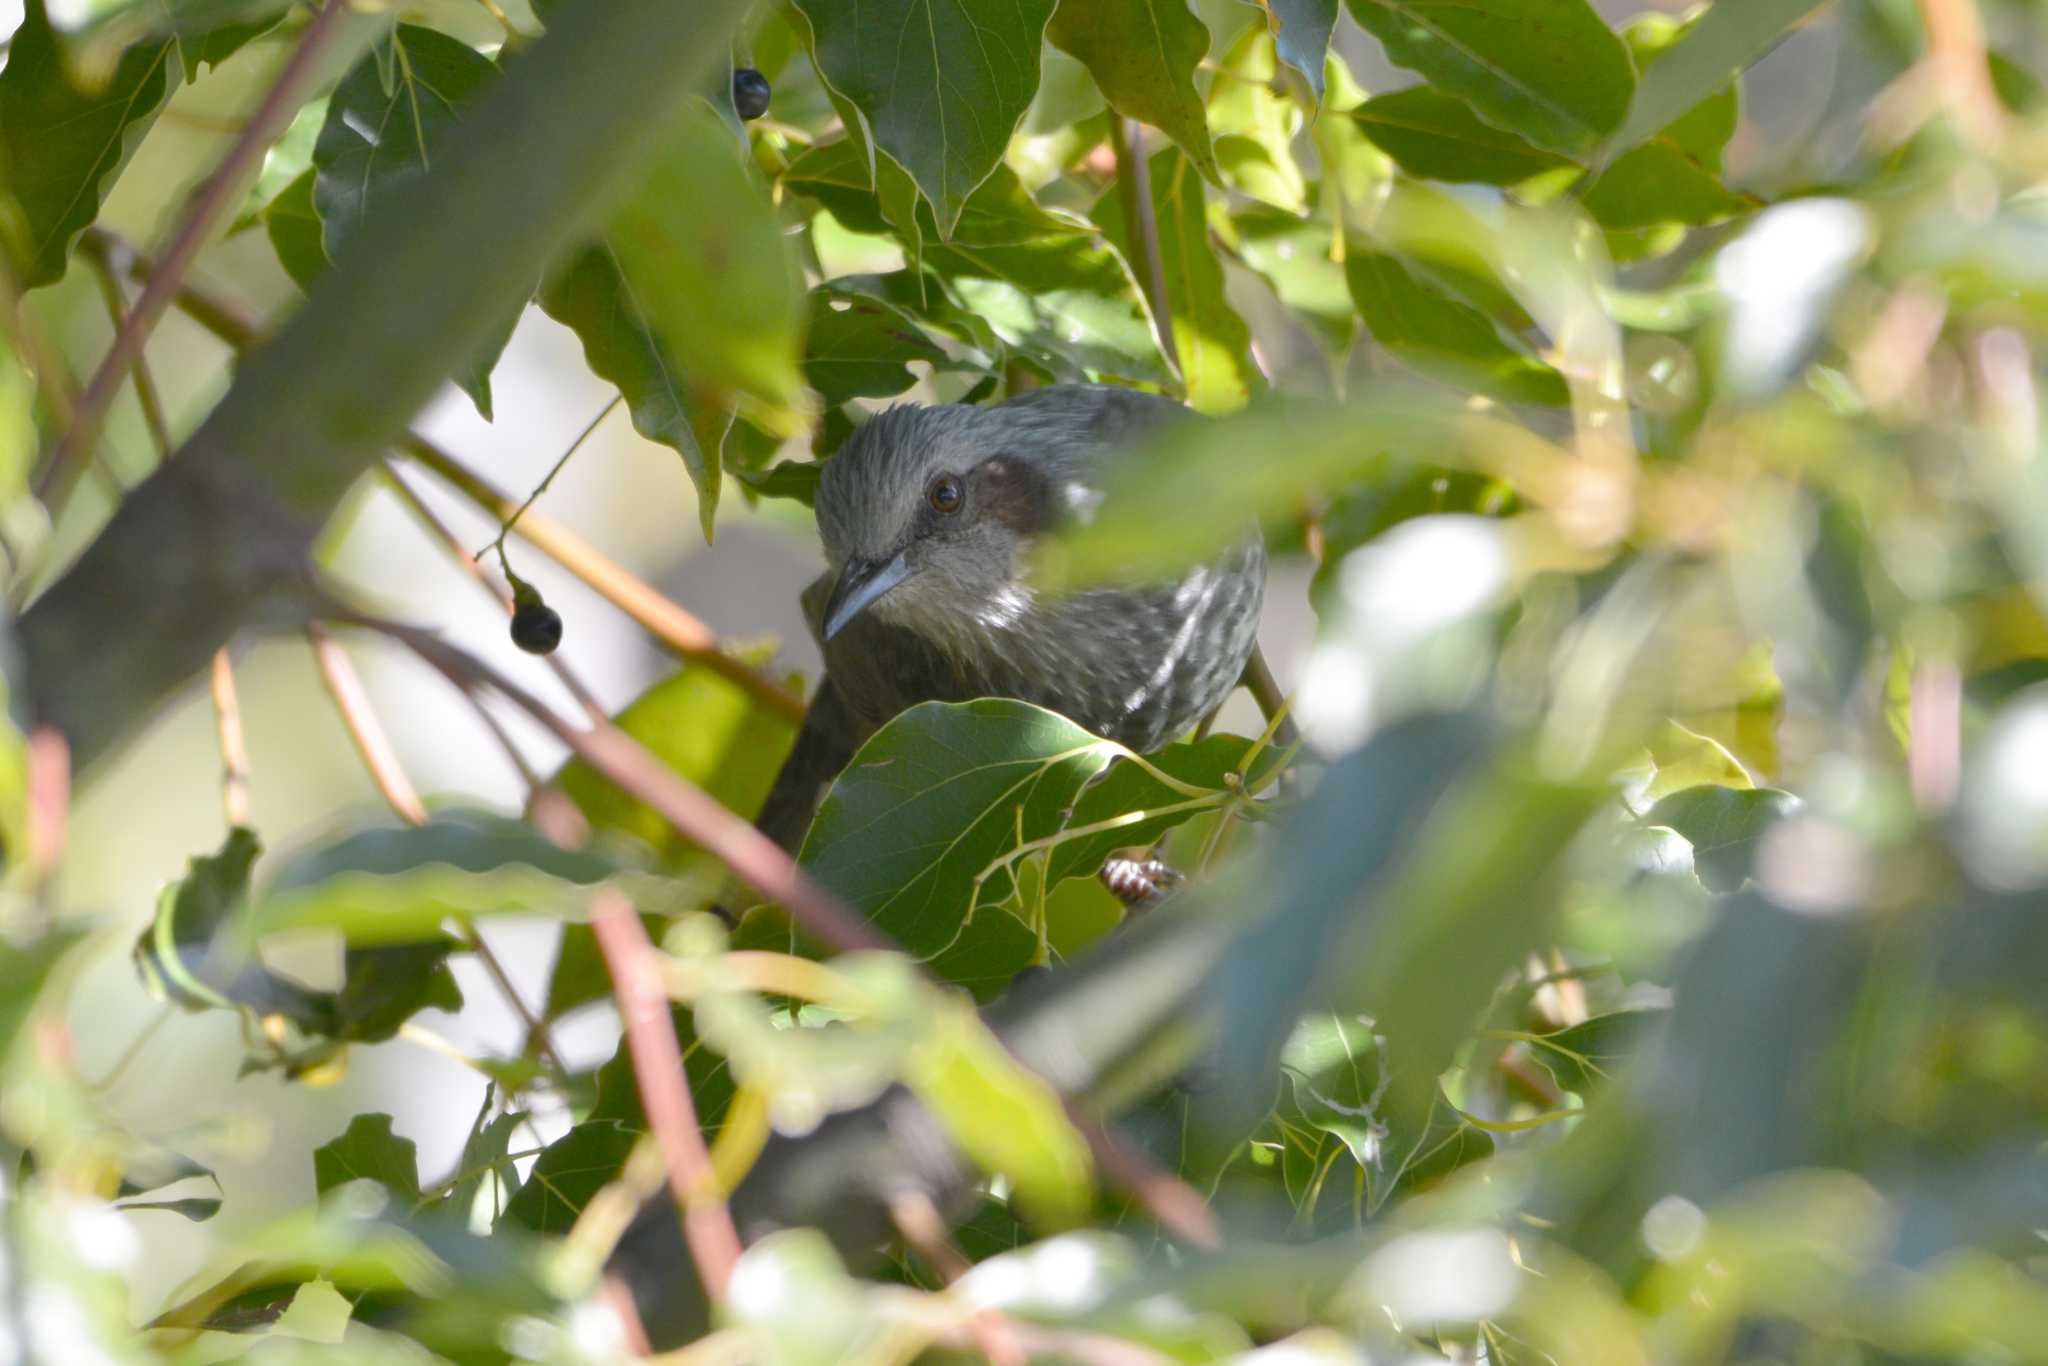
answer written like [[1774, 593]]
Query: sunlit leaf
[[1441, 336], [1143, 53], [1724, 825]]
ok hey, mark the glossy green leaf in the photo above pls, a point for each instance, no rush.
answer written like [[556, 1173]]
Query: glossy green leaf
[[1440, 336], [1301, 33], [701, 251], [1212, 341], [941, 84], [378, 139], [929, 805], [592, 298], [369, 1151], [1549, 69], [1047, 284], [1138, 807], [1255, 125], [1589, 1053], [1723, 825], [62, 144], [858, 347], [1435, 136], [1143, 54]]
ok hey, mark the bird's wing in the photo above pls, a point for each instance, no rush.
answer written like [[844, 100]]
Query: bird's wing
[[828, 739]]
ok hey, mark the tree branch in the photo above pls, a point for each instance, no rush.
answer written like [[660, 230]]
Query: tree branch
[[1134, 191], [220, 536]]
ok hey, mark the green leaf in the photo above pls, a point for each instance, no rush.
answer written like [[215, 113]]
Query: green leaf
[[942, 84], [1685, 758], [1255, 125], [1047, 284], [929, 805], [379, 139], [1212, 340], [396, 885], [484, 1153], [859, 347], [1432, 135], [706, 729], [1143, 808], [592, 298], [1301, 34], [384, 986], [1723, 825], [369, 1151], [27, 968], [198, 1208], [293, 226], [1724, 40], [1440, 336], [1588, 1054], [1549, 69], [1332, 1066], [1294, 256], [61, 144], [706, 262], [1007, 1119], [567, 1173], [1657, 183], [1144, 54]]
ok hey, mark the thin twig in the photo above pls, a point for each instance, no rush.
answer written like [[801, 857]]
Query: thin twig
[[752, 856], [441, 532], [49, 808], [209, 204], [353, 703], [234, 753], [1141, 224], [664, 1092], [537, 1037], [498, 542], [145, 386]]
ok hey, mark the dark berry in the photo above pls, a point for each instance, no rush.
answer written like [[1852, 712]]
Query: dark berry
[[536, 628], [750, 92]]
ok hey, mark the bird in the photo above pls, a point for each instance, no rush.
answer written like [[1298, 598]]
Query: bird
[[929, 515]]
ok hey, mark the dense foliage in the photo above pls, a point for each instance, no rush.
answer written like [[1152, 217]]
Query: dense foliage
[[1639, 955]]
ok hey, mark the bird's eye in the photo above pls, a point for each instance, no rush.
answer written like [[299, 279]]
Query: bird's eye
[[944, 494]]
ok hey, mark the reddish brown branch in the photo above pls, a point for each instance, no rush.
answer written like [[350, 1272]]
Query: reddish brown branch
[[664, 1090], [234, 752], [364, 730]]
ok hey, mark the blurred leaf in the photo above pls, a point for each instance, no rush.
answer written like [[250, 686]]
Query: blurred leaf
[[1440, 336], [369, 1151], [1255, 125], [1724, 40], [1047, 284], [384, 986], [703, 257], [198, 1208], [1005, 1118], [592, 298], [941, 84], [1294, 256], [379, 139], [707, 730], [1549, 69], [796, 480], [709, 1075], [1143, 54], [567, 1173], [62, 144], [933, 800], [26, 968], [1723, 825], [1589, 1053], [1301, 33], [859, 347], [293, 226], [1213, 342], [1685, 758], [484, 1154], [1659, 183], [1332, 1066], [1432, 135]]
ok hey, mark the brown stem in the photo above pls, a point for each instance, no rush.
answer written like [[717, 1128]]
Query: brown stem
[[1134, 191], [664, 1093], [367, 733], [1265, 690], [145, 385], [752, 856], [49, 805], [1178, 1207], [208, 205], [234, 753]]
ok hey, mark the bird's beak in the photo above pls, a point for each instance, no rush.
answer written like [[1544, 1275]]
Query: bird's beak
[[860, 584]]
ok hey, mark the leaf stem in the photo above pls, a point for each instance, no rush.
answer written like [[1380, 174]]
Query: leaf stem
[[664, 1093], [505, 529], [1134, 189], [209, 204]]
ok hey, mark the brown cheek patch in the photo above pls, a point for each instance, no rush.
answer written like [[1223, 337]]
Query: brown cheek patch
[[1014, 494]]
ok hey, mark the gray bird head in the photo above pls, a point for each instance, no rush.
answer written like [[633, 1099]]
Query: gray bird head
[[926, 512]]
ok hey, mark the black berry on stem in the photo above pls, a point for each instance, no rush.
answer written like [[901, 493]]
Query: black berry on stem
[[750, 92]]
